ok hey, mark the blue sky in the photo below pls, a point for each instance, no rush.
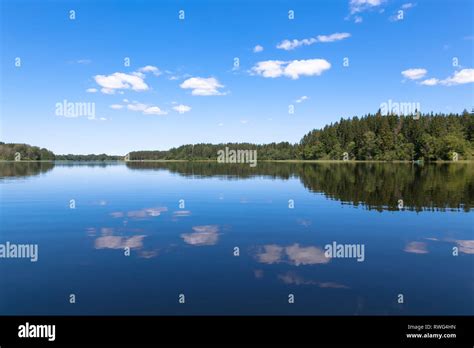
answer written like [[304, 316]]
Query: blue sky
[[182, 86]]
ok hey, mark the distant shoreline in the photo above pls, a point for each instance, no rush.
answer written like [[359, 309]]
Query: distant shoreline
[[372, 138], [215, 161]]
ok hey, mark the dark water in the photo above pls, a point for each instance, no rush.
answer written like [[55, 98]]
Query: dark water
[[410, 220]]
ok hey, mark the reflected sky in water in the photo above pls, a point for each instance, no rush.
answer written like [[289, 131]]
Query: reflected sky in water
[[190, 249]]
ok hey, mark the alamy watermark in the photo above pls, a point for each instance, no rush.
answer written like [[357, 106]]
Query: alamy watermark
[[19, 251], [28, 330], [237, 156], [345, 251], [401, 108], [75, 109]]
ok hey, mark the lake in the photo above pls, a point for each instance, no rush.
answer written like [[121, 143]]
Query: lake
[[181, 238]]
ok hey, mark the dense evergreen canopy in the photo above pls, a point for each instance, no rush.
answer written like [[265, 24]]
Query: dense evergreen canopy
[[392, 137], [373, 137]]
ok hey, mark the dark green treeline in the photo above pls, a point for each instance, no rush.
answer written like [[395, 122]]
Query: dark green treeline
[[373, 137], [427, 137]]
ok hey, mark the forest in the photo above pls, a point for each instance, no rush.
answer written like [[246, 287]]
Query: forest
[[427, 137], [373, 137], [24, 152]]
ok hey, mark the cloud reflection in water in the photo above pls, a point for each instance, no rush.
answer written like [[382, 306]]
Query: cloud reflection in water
[[292, 254], [202, 235]]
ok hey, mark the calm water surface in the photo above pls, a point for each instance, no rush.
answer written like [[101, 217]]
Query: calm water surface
[[183, 221]]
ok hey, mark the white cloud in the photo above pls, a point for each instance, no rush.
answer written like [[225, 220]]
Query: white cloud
[[414, 74], [107, 91], [91, 90], [150, 68], [118, 81], [430, 82], [407, 6], [182, 108], [358, 19], [137, 106], [116, 106], [269, 68], [301, 99], [458, 78], [220, 124], [308, 67], [244, 121], [333, 37], [288, 45], [293, 69], [83, 61], [154, 110], [258, 48], [145, 109], [357, 6], [176, 76], [203, 86]]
